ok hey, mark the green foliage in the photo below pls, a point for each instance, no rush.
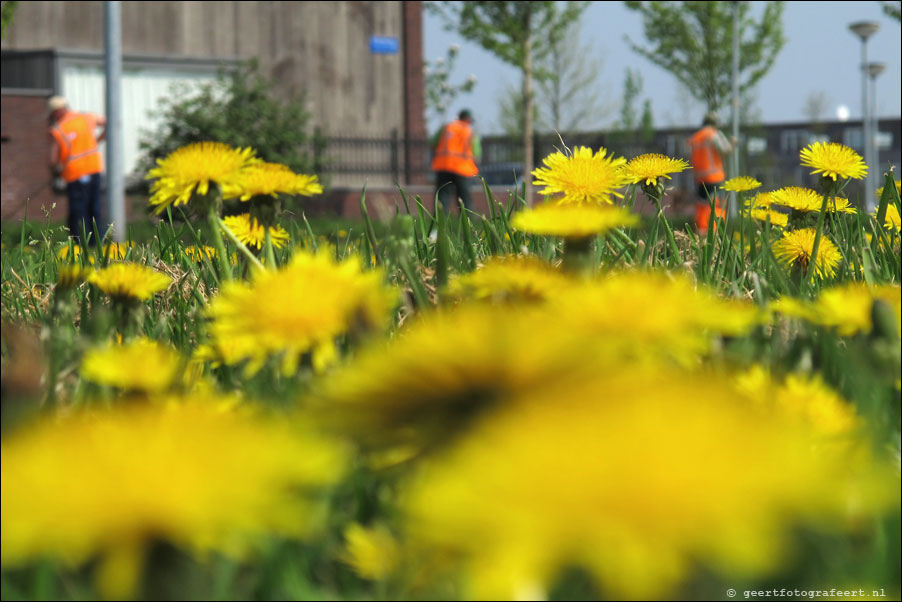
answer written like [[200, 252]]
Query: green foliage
[[568, 96], [893, 10], [694, 41], [440, 92], [518, 33], [7, 12], [241, 110]]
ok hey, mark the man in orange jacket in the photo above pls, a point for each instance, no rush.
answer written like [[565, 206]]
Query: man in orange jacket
[[456, 148], [708, 146], [75, 156]]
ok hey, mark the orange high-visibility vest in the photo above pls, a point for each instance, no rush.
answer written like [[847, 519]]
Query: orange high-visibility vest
[[706, 159], [78, 152], [454, 152]]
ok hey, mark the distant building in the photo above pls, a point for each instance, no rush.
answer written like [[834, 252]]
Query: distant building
[[356, 65]]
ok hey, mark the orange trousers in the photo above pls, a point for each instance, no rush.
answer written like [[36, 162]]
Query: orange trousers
[[703, 214]]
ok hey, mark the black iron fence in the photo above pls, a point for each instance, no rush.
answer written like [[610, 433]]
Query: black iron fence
[[768, 153]]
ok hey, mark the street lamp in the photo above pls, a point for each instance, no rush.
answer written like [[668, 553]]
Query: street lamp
[[864, 30], [874, 69]]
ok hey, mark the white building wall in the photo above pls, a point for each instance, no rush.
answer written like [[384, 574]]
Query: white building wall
[[142, 90]]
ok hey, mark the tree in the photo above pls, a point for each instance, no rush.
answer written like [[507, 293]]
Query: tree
[[892, 10], [568, 98], [518, 33], [7, 12], [694, 41], [440, 93], [816, 106], [238, 109]]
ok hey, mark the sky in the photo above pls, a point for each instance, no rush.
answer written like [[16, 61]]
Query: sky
[[821, 55]]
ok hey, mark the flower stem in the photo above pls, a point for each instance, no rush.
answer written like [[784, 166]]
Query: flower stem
[[247, 252], [270, 254], [812, 264], [215, 223], [670, 238]]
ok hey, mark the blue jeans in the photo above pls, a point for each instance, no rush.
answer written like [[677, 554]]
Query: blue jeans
[[85, 206]]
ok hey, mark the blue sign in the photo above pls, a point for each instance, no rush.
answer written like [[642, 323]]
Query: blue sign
[[384, 45]]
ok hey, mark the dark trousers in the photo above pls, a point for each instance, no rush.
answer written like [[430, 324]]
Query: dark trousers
[[85, 206], [449, 186]]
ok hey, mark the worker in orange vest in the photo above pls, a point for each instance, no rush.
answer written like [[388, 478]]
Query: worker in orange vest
[[456, 148], [708, 146], [75, 156]]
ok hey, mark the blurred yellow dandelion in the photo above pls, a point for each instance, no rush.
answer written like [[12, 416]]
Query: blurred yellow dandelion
[[249, 231], [766, 214], [372, 552], [116, 365], [638, 477], [509, 279], [105, 484], [572, 220], [129, 281], [298, 309]]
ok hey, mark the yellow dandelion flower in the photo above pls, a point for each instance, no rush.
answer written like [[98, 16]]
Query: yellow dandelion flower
[[113, 251], [197, 254], [891, 221], [129, 281], [105, 484], [509, 279], [298, 309], [373, 552], [802, 398], [249, 231], [833, 160], [669, 315], [765, 214], [879, 192], [646, 169], [114, 365], [762, 200], [639, 477], [192, 168], [571, 220], [414, 393], [741, 184], [583, 177], [70, 276], [847, 308], [807, 200], [794, 250], [271, 179]]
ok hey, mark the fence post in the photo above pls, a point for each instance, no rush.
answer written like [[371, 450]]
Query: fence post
[[395, 160]]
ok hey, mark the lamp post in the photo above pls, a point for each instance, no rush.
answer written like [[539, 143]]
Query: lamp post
[[874, 69], [864, 30]]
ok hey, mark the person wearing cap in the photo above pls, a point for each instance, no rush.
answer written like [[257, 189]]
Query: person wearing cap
[[75, 157], [708, 146], [456, 148]]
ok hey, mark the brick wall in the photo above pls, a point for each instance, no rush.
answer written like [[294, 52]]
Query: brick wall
[[414, 90], [24, 171]]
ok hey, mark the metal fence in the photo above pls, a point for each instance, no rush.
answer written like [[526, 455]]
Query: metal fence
[[768, 153]]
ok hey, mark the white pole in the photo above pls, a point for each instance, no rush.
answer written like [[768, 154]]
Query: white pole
[[115, 180]]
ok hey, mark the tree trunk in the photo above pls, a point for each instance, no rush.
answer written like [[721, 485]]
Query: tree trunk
[[527, 113]]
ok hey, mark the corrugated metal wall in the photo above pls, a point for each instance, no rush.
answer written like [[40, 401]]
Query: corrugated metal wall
[[316, 51], [141, 90]]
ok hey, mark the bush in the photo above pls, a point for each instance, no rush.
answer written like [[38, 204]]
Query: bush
[[238, 109]]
